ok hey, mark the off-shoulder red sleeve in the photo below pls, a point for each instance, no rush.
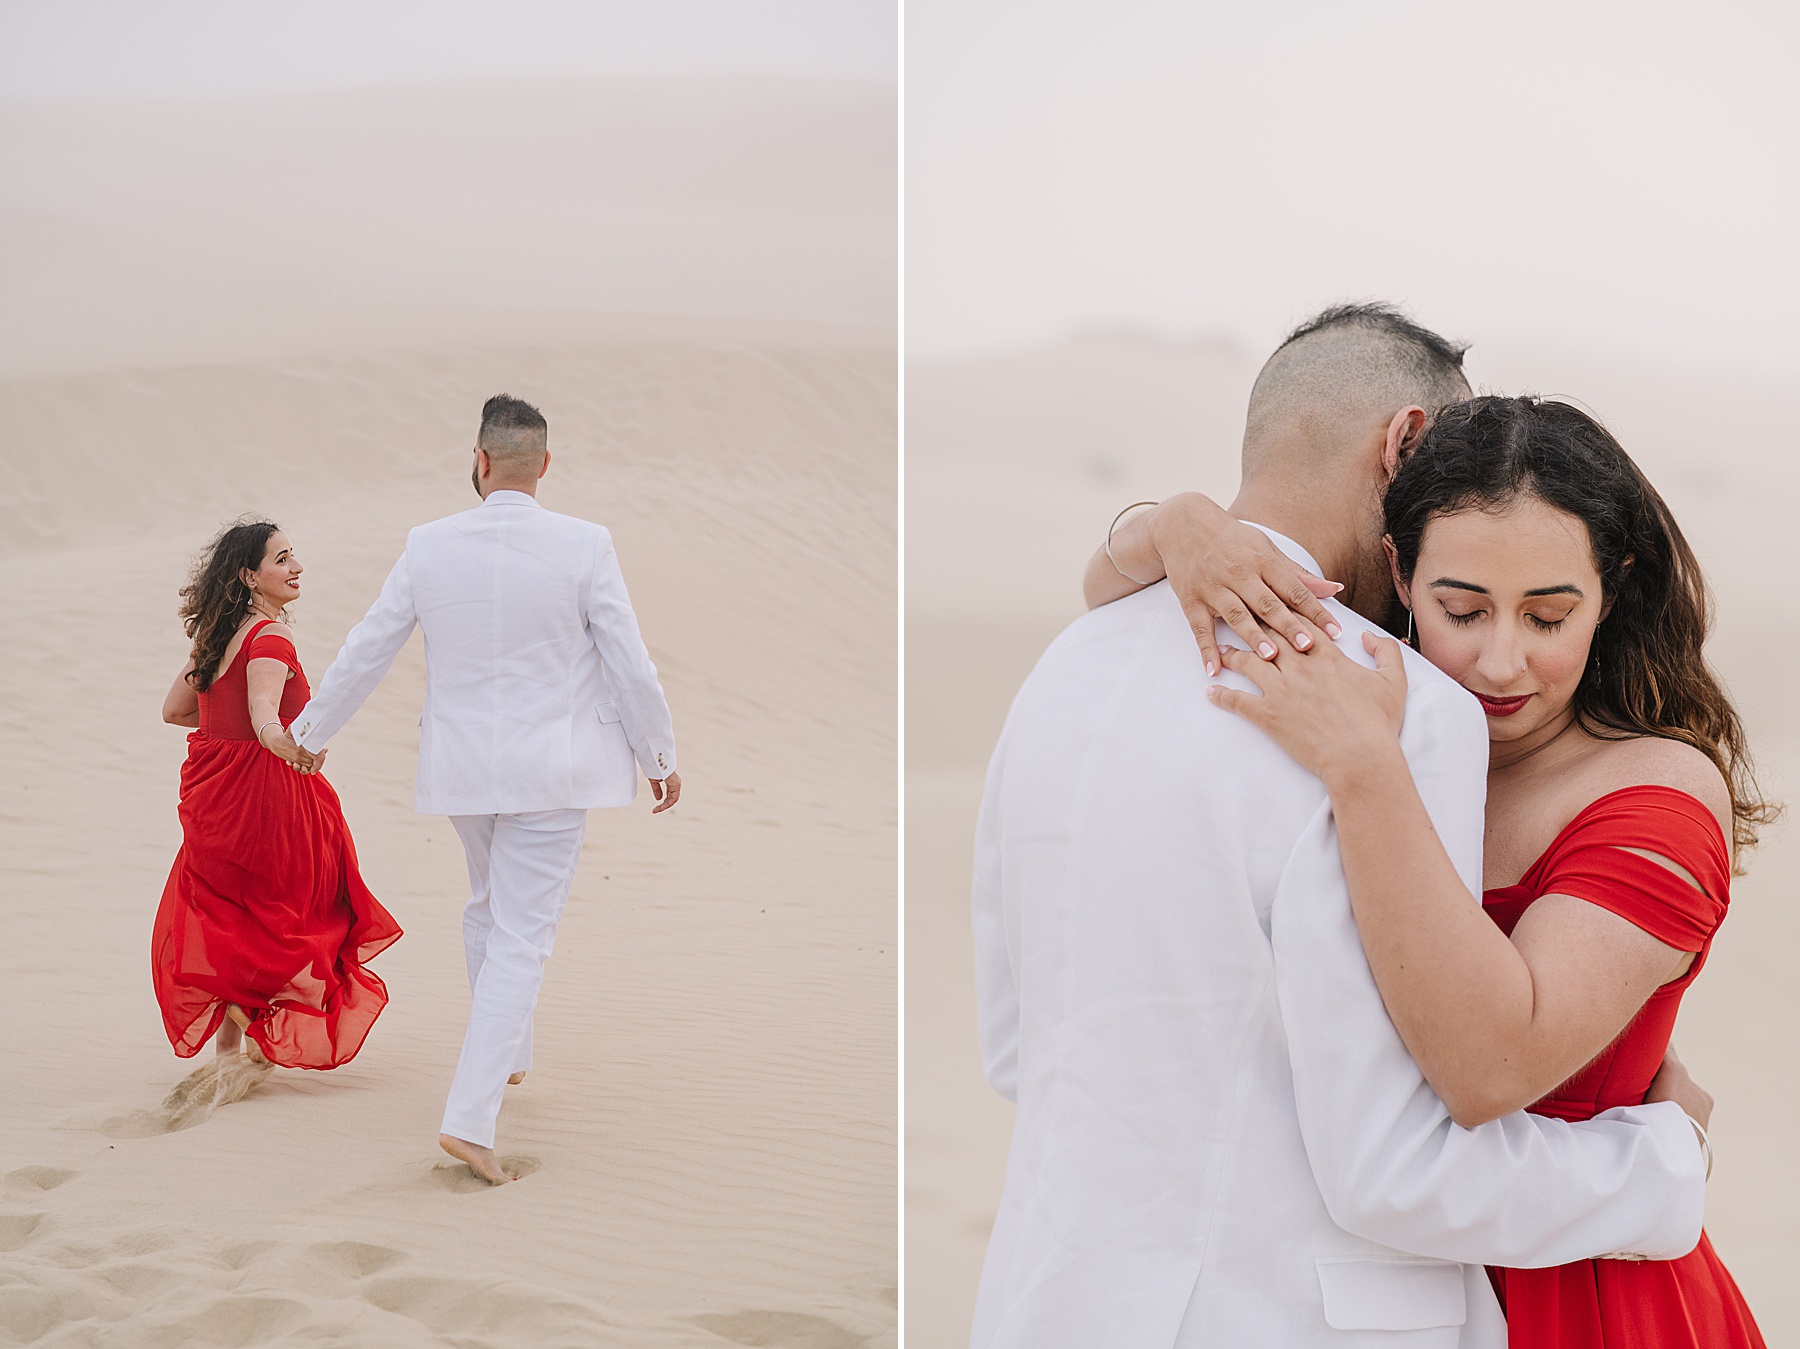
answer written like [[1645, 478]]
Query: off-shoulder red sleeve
[[1589, 862], [273, 646]]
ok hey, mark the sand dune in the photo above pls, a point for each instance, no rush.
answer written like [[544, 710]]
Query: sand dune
[[713, 1110], [709, 1131], [1014, 466]]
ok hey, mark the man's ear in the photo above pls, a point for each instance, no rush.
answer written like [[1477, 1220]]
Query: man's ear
[[546, 468], [483, 465], [1393, 557], [1404, 431]]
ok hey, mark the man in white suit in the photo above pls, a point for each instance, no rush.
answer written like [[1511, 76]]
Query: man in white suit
[[1220, 1138], [540, 704]]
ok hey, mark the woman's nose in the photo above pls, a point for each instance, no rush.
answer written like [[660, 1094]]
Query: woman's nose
[[1503, 659]]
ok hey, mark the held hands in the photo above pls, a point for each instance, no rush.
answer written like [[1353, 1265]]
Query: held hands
[[666, 790], [1220, 567], [1328, 713], [279, 742]]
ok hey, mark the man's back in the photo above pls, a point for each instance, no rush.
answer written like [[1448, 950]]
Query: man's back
[[520, 709], [1134, 839], [539, 693]]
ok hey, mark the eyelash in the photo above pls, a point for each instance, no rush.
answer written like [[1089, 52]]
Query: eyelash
[[1542, 624]]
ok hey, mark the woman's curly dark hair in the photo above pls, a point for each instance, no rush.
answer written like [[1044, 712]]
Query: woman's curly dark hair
[[215, 599], [1649, 676]]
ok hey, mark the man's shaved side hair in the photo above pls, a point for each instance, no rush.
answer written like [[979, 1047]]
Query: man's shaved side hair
[[1344, 369], [514, 434]]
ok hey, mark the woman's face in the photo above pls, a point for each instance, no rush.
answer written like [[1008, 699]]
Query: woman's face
[[1506, 603], [278, 579]]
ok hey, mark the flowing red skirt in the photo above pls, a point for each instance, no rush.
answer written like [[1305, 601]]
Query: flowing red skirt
[[265, 909]]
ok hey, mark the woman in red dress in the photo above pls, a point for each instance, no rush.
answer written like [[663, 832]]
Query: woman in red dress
[[1542, 572], [265, 926]]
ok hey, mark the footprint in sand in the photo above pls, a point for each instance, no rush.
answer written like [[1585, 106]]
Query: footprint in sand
[[336, 1264], [216, 1083], [234, 1319], [465, 1308], [781, 1330], [18, 1229], [458, 1179], [28, 1181]]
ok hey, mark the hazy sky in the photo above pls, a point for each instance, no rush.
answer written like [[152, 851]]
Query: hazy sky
[[1578, 171], [213, 48]]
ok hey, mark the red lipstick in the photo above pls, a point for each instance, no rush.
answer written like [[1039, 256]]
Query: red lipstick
[[1501, 707]]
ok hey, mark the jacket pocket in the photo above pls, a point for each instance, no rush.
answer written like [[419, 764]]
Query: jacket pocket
[[1372, 1293], [609, 712]]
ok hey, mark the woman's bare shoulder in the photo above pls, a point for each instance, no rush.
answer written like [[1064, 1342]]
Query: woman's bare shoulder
[[1660, 762], [277, 628]]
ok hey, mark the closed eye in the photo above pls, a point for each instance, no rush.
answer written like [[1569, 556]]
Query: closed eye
[[1463, 619], [1547, 624]]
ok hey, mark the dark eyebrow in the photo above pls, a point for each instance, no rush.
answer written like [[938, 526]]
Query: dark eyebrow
[[1576, 591]]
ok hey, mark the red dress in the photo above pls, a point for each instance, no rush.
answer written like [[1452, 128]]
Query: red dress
[[264, 907], [1690, 1303]]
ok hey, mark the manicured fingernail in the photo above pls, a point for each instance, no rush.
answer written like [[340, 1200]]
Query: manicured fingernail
[[1212, 691], [1266, 651], [1211, 669], [1301, 641], [1339, 585], [1333, 631]]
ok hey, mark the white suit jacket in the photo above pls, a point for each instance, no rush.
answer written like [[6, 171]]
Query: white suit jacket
[[1220, 1138], [539, 693]]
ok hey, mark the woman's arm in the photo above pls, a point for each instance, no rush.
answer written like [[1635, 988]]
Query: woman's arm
[[265, 679], [1494, 1023], [1218, 567], [182, 706]]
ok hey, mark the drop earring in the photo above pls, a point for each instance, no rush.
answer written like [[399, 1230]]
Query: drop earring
[[1409, 630]]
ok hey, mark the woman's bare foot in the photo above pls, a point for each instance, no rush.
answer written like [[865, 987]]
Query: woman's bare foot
[[516, 1078], [231, 1037], [227, 1040], [480, 1160]]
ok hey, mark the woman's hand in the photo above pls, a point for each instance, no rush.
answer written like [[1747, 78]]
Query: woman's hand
[[182, 705], [1218, 567], [1328, 713], [1672, 1083], [276, 738]]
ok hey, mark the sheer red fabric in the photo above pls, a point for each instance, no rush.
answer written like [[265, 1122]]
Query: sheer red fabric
[[264, 907], [1651, 1304]]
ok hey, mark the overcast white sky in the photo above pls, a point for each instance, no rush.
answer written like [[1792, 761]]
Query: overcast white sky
[[1581, 171], [222, 48]]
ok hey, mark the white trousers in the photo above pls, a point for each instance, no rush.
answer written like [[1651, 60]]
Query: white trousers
[[520, 869]]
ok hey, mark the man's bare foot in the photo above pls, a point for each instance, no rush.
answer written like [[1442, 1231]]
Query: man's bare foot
[[516, 1078], [480, 1160]]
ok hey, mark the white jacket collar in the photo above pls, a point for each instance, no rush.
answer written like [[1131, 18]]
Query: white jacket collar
[[506, 496], [1294, 551]]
